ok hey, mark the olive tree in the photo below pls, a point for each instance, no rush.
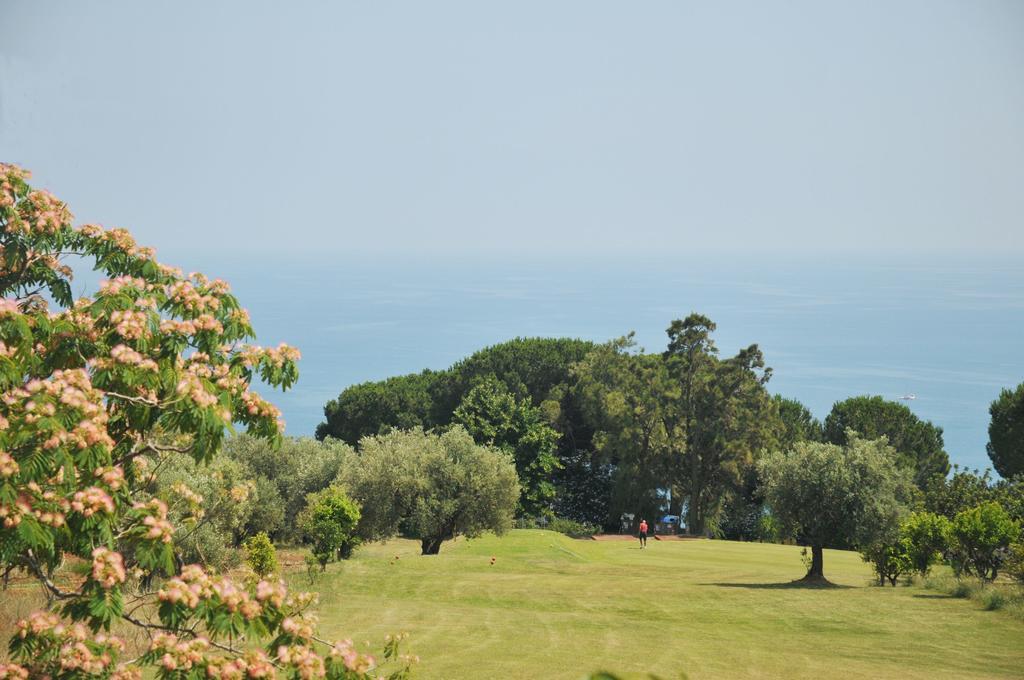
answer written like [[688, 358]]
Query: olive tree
[[826, 495], [431, 486]]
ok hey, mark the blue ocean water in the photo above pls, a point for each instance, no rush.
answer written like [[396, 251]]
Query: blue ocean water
[[950, 332]]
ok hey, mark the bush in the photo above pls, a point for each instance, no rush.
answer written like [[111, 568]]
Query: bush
[[926, 537], [982, 537], [992, 596], [993, 599], [329, 524], [572, 528], [890, 560], [260, 554]]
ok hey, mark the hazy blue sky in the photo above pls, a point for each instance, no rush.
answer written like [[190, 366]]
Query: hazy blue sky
[[532, 127]]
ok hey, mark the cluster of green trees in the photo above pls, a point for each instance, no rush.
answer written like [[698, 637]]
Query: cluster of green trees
[[599, 431], [332, 496], [858, 495]]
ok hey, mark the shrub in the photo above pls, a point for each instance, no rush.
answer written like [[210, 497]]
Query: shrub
[[890, 560], [925, 536], [329, 524], [260, 554], [982, 538], [572, 528], [993, 599]]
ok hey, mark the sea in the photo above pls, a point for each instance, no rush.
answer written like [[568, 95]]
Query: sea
[[946, 330]]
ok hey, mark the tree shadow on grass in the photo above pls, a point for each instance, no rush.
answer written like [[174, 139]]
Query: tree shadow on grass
[[934, 596], [791, 585]]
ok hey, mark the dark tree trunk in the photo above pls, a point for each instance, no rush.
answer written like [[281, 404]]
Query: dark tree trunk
[[430, 546], [816, 571]]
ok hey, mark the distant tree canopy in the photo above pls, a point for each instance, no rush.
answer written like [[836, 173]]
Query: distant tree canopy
[[917, 442], [798, 424], [544, 430], [493, 416], [599, 432], [373, 408], [1006, 432]]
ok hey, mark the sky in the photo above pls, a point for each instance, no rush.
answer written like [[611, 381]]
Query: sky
[[340, 129]]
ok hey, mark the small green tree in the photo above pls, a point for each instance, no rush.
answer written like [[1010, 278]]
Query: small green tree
[[982, 537], [823, 494], [329, 524], [889, 558], [433, 487], [260, 554], [925, 536]]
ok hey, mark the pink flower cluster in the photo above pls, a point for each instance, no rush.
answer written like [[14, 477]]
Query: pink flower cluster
[[116, 285], [345, 652], [40, 622], [254, 664], [306, 662], [80, 654], [186, 295], [41, 213], [123, 354], [119, 238], [179, 654], [8, 466], [155, 520], [12, 671], [45, 506], [10, 175], [273, 593], [9, 306], [195, 585], [112, 476], [300, 626], [276, 356], [92, 501], [191, 386], [130, 324], [255, 405], [107, 567]]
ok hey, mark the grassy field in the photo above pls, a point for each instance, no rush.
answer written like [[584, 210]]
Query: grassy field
[[553, 607]]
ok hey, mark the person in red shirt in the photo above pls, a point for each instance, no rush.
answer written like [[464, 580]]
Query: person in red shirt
[[643, 534]]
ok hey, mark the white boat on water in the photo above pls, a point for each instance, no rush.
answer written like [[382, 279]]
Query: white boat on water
[[909, 397]]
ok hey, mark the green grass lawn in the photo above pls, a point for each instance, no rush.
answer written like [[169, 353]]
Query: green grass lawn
[[554, 607]]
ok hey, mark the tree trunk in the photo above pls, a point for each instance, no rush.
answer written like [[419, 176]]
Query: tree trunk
[[430, 546], [816, 571]]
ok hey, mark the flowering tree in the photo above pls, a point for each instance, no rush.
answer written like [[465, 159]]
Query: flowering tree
[[92, 391]]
